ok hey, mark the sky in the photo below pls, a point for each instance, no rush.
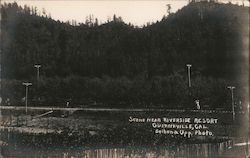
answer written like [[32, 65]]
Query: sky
[[137, 12]]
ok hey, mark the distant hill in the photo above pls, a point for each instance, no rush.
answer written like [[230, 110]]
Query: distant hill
[[209, 35], [206, 34]]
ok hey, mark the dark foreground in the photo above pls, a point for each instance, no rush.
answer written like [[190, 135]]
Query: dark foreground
[[112, 134]]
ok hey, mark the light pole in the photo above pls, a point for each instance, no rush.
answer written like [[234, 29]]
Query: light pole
[[232, 97], [189, 76], [26, 84], [37, 66]]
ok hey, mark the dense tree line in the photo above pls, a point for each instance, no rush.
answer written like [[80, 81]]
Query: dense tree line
[[171, 91], [118, 62]]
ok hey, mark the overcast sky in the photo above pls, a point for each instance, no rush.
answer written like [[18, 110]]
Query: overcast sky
[[137, 12]]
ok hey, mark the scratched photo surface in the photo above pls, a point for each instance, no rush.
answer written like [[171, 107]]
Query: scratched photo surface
[[124, 79]]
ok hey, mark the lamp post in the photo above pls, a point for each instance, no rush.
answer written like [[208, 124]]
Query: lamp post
[[189, 75], [37, 66], [26, 84], [232, 97]]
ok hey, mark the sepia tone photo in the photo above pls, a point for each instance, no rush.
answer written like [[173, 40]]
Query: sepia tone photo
[[124, 79]]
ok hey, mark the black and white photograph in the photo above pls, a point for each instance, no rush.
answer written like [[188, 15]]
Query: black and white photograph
[[124, 79]]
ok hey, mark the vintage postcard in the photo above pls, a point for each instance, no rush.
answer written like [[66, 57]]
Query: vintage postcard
[[124, 79]]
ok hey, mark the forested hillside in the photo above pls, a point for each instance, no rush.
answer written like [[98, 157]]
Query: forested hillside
[[117, 62]]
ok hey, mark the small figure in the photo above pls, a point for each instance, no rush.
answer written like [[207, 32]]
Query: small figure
[[7, 101], [197, 102], [23, 99], [240, 105], [67, 103]]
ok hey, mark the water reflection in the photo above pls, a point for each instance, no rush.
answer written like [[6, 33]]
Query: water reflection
[[185, 151], [188, 151], [49, 148]]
